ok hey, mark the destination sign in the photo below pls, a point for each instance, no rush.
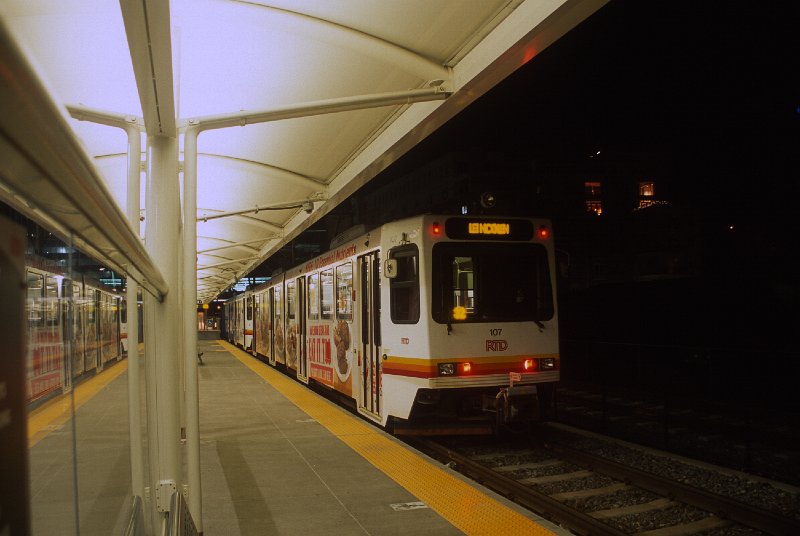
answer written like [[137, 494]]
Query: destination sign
[[487, 228], [494, 229]]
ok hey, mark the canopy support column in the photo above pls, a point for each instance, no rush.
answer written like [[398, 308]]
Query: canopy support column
[[134, 376], [191, 394], [162, 325]]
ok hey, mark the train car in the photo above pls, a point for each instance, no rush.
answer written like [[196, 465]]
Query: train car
[[432, 324], [73, 331]]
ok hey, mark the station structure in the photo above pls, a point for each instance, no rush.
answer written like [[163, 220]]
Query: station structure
[[183, 142]]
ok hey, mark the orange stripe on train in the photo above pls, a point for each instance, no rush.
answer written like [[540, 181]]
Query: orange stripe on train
[[431, 371]]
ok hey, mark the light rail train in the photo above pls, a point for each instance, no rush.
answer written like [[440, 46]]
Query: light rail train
[[74, 329], [432, 324]]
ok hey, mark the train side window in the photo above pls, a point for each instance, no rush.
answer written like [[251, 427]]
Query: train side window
[[327, 294], [313, 296], [51, 301], [278, 307], [344, 291], [249, 308], [34, 299], [404, 289], [290, 300]]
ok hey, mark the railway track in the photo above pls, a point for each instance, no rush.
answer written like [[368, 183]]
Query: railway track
[[592, 495]]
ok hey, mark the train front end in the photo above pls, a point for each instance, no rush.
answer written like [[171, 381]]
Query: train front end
[[471, 342]]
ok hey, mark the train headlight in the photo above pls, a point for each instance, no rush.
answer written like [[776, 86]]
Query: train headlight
[[529, 365], [466, 368], [547, 363], [447, 369]]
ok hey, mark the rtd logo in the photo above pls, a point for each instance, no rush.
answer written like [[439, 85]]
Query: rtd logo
[[496, 346]]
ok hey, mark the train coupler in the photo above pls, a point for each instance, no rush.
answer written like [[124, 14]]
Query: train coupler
[[512, 404]]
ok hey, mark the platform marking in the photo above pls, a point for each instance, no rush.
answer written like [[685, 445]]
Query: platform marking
[[401, 507], [463, 506], [55, 413]]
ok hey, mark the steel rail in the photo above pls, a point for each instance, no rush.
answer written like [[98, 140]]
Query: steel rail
[[538, 502], [722, 506]]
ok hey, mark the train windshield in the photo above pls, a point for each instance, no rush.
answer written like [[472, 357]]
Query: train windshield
[[479, 282]]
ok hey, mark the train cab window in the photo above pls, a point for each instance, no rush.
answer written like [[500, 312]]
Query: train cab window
[[326, 278], [344, 292], [313, 297], [404, 288], [475, 282], [290, 300], [464, 284]]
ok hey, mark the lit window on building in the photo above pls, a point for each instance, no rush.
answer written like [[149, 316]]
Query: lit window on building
[[647, 193], [594, 205], [592, 192], [592, 189]]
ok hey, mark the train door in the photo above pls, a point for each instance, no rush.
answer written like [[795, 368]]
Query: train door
[[54, 323], [90, 307], [369, 398], [258, 324], [78, 329], [278, 334], [271, 327], [248, 324], [302, 310], [123, 327], [72, 368]]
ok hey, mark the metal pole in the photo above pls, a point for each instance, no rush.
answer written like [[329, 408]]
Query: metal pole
[[134, 376], [192, 396], [162, 323]]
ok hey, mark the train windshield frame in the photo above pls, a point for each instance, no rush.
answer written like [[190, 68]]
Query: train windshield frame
[[491, 282]]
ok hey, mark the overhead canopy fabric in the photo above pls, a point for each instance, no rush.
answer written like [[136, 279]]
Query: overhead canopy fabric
[[351, 86]]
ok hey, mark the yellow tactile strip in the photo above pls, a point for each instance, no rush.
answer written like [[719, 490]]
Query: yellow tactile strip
[[463, 506], [56, 412]]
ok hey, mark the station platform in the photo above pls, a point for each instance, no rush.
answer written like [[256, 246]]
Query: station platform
[[276, 458]]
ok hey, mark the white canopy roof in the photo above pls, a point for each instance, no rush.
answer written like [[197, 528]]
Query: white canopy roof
[[236, 62]]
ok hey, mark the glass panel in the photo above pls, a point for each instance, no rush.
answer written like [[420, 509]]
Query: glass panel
[[313, 296], [279, 340], [463, 284], [485, 283], [344, 292], [262, 327], [404, 289], [290, 300], [78, 457], [327, 294]]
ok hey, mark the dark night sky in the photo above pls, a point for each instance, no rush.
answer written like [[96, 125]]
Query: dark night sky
[[715, 85]]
